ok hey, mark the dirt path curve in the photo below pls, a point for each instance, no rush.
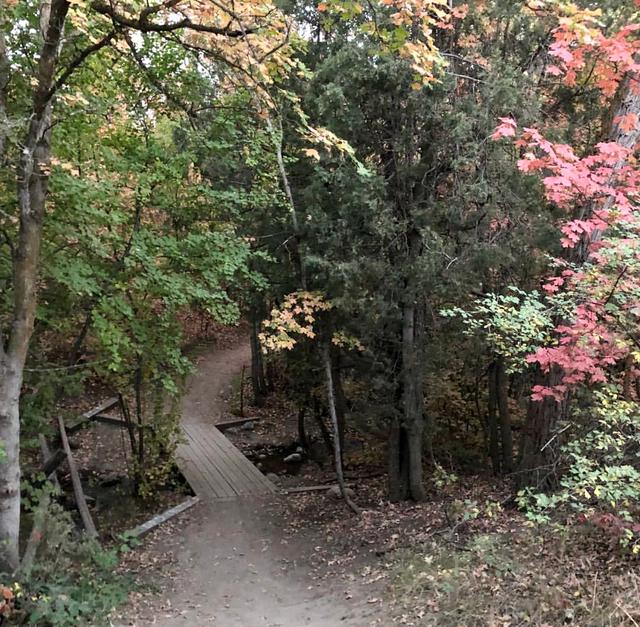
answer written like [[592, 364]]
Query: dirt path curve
[[236, 567]]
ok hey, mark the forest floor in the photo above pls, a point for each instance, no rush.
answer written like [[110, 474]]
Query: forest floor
[[460, 558], [236, 563]]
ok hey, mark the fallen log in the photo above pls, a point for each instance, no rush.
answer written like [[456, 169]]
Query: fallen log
[[110, 420], [156, 521], [230, 424], [92, 413], [313, 488]]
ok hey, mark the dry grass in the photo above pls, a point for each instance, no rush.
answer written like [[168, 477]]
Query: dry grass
[[516, 578]]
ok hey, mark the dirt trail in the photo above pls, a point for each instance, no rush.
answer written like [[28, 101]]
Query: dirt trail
[[236, 567]]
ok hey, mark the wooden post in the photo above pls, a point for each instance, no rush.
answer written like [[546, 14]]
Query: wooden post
[[81, 501], [242, 391], [49, 468], [126, 416]]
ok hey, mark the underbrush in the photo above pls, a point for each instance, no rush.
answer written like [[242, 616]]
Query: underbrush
[[73, 582], [547, 578]]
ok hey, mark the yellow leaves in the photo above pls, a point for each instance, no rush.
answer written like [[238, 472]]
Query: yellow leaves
[[417, 18], [349, 342], [254, 40], [584, 23], [422, 51], [79, 18], [328, 139], [295, 320], [74, 99], [313, 153], [295, 317], [65, 166]]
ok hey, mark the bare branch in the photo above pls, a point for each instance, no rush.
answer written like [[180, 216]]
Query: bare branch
[[153, 9], [79, 60], [155, 82], [142, 24]]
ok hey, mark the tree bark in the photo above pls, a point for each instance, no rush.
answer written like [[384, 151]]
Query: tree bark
[[412, 402], [258, 383], [302, 432], [538, 453], [32, 179], [5, 68], [506, 437], [492, 420], [398, 475], [340, 401], [337, 450], [138, 382], [407, 432], [10, 384], [326, 436]]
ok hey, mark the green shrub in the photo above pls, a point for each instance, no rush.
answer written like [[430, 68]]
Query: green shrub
[[73, 582], [601, 477]]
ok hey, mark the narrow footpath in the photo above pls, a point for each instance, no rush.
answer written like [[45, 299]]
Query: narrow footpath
[[234, 565]]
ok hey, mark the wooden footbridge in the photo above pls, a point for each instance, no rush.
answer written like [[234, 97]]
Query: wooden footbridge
[[214, 467]]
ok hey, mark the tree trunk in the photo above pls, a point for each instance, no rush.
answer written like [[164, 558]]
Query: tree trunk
[[482, 418], [413, 399], [398, 475], [492, 420], [407, 433], [10, 384], [326, 436], [5, 69], [32, 178], [337, 451], [505, 416], [302, 432], [340, 401], [538, 450], [406, 438], [126, 417], [270, 376], [74, 353], [258, 383]]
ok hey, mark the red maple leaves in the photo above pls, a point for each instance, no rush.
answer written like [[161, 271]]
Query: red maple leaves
[[579, 45], [599, 193]]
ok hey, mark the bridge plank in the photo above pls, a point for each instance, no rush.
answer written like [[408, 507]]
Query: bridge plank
[[204, 459], [215, 468], [234, 465]]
